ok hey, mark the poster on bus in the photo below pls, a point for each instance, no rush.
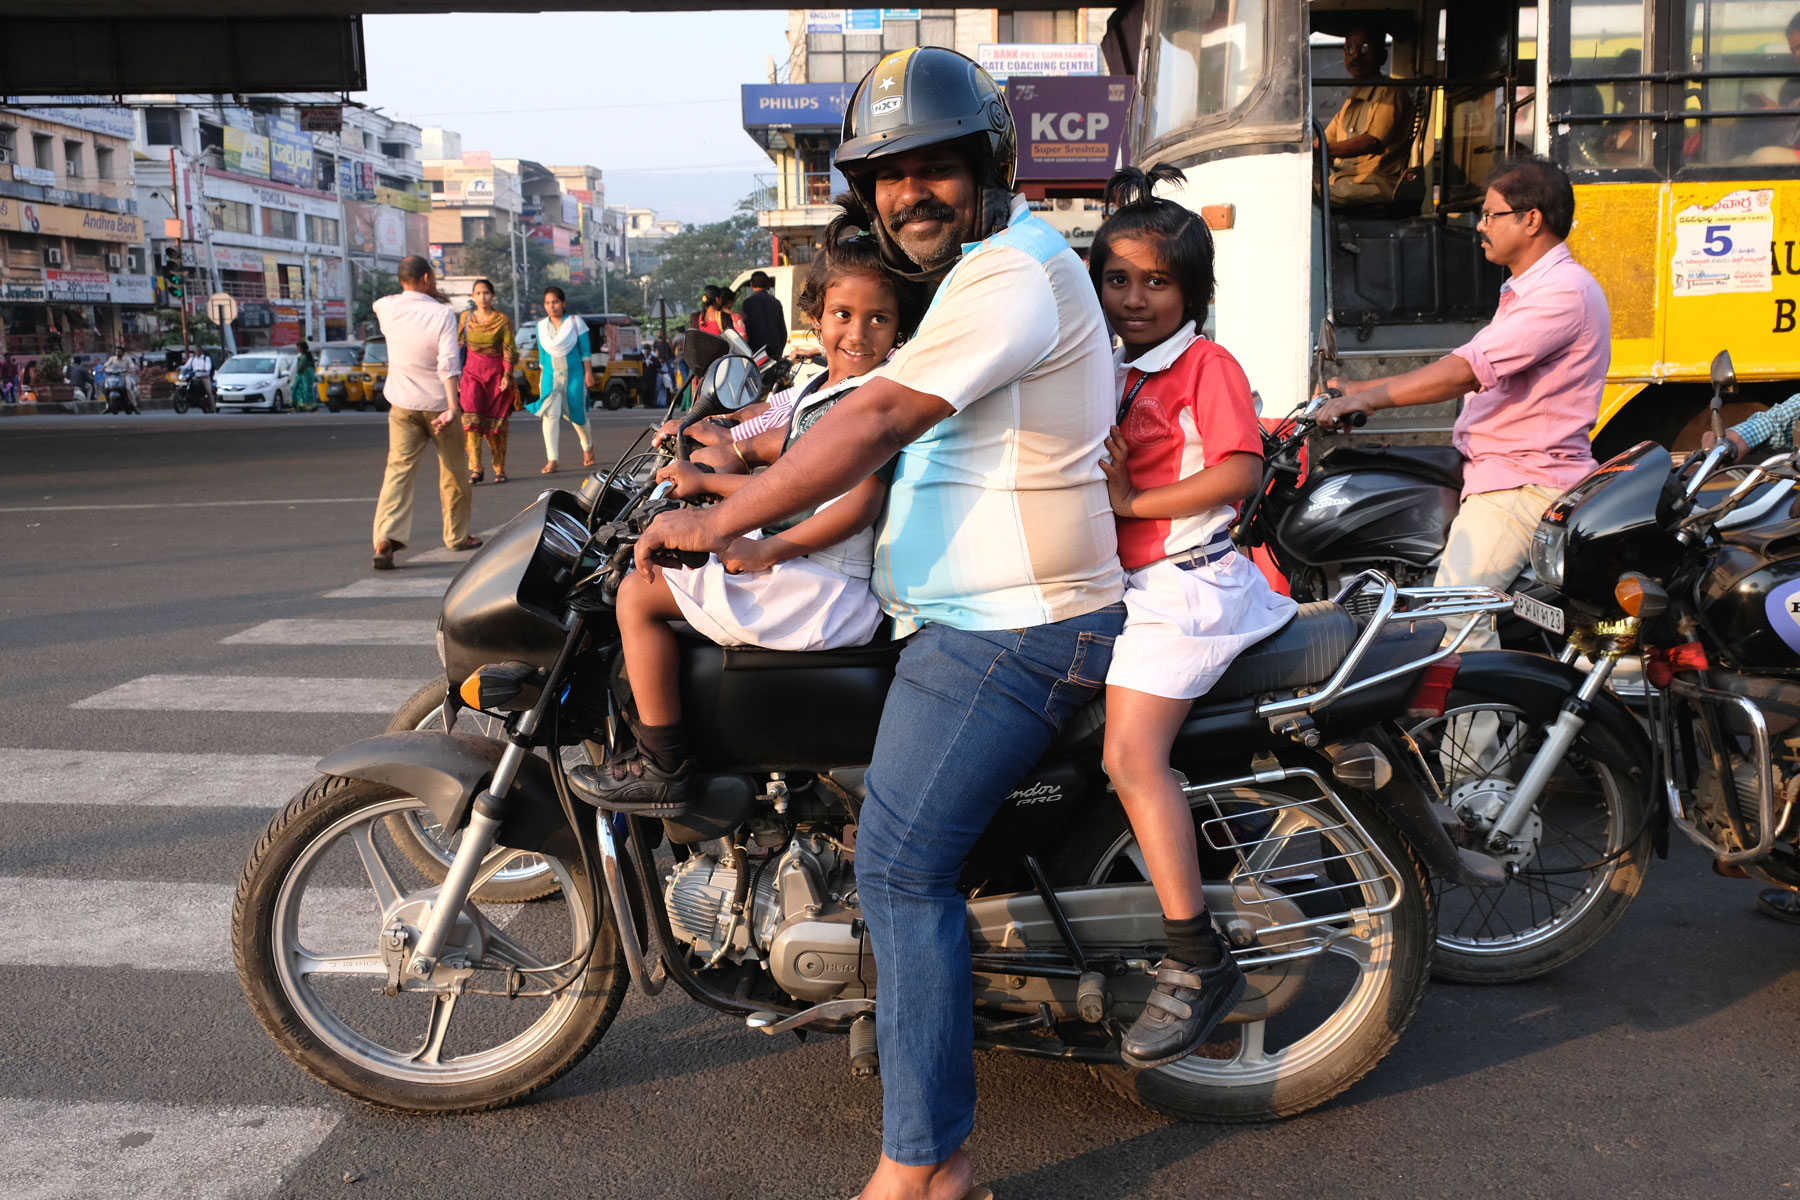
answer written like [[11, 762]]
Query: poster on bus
[[1723, 247]]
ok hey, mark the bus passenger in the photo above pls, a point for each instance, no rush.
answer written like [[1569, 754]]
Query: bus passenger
[[1370, 139]]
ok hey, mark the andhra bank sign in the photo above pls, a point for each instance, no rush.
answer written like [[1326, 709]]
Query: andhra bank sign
[[25, 216]]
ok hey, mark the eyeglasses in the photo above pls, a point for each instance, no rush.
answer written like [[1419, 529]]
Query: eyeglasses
[[1487, 217]]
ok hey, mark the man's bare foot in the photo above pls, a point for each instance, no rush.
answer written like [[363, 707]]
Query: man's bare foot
[[948, 1180]]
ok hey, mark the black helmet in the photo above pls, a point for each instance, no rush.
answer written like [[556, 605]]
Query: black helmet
[[926, 96]]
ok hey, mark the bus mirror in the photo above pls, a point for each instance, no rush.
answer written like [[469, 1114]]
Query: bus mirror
[[1724, 378]]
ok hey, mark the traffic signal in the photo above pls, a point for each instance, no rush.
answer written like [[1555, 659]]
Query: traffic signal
[[174, 278]]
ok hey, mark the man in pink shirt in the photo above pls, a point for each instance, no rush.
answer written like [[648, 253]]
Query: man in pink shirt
[[1531, 381]]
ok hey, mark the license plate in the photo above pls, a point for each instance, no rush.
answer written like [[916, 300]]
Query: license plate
[[1544, 616]]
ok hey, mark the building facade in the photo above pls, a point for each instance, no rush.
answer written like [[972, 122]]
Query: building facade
[[798, 120], [644, 236], [73, 272]]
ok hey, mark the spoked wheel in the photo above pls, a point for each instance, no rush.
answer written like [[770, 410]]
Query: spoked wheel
[[1325, 1002], [1576, 864], [421, 838], [324, 900]]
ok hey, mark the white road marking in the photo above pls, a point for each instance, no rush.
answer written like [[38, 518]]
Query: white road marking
[[335, 633], [129, 779], [389, 585], [61, 1151], [182, 504], [171, 926], [255, 693]]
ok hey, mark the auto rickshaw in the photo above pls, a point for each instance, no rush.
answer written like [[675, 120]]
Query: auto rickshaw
[[341, 378], [375, 371], [616, 352]]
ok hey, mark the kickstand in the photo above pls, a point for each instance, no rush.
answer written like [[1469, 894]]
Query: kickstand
[[1090, 989]]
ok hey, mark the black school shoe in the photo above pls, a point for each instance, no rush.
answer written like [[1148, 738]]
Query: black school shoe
[[636, 785], [1185, 1006]]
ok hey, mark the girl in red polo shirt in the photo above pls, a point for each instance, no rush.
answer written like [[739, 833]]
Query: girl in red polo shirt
[[1185, 453]]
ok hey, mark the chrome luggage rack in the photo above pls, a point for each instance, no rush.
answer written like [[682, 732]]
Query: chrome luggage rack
[[1394, 604]]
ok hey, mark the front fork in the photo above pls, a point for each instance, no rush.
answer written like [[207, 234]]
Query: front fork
[[1557, 740], [488, 814]]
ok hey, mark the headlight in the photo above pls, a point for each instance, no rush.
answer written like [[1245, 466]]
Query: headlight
[[1549, 543], [442, 660], [564, 536]]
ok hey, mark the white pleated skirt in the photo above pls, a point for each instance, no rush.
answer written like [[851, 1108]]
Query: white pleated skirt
[[1183, 628], [794, 605]]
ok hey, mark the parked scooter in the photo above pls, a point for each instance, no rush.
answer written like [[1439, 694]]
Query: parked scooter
[[1310, 815]]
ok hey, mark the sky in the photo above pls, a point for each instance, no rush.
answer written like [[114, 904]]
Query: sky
[[650, 98]]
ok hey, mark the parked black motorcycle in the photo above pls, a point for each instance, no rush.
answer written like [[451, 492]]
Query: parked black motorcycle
[[1316, 835]]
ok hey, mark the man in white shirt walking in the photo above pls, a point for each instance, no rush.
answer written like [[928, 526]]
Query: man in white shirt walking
[[424, 377]]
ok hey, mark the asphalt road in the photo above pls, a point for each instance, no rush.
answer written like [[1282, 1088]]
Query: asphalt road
[[134, 549]]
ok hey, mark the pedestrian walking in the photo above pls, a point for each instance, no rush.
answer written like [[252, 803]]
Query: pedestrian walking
[[765, 324], [9, 380], [487, 389], [306, 381], [423, 404], [565, 377]]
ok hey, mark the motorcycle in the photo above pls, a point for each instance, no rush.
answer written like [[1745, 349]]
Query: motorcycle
[[192, 389], [121, 396], [1316, 835], [1643, 560]]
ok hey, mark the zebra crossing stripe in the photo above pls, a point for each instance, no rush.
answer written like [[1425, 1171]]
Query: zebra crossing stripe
[[395, 586], [73, 1151], [131, 779], [254, 693], [153, 926], [335, 633]]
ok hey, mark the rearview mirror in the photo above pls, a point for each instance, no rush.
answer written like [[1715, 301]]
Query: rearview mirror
[[1724, 378]]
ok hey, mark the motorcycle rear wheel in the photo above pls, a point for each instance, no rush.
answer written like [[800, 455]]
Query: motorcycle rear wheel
[[1317, 1047], [307, 925], [1553, 911]]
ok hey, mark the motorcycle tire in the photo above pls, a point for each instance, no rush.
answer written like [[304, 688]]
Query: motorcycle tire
[[180, 402], [421, 839], [1551, 912], [1212, 1087], [267, 913]]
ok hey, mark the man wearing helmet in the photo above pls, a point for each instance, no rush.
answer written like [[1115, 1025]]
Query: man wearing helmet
[[997, 553]]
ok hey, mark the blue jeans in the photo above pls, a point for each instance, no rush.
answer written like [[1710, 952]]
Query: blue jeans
[[968, 714]]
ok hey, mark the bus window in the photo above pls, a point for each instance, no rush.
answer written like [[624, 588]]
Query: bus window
[[1731, 36], [1603, 90], [1207, 59]]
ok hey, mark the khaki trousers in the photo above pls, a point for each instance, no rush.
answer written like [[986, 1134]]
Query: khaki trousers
[[409, 433], [1490, 543]]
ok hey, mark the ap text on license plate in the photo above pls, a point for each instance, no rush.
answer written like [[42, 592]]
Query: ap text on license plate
[[1544, 616]]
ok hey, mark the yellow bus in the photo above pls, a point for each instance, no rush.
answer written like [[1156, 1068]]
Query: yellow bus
[[1677, 120]]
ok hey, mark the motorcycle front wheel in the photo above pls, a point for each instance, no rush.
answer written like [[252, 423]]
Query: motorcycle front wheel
[[323, 893], [421, 838], [1357, 994], [1581, 858], [180, 401]]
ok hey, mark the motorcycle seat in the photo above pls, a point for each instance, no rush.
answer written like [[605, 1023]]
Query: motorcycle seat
[[1304, 651], [879, 651], [1439, 464]]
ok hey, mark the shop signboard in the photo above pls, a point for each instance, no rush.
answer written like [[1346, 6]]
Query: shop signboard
[[376, 229], [290, 153], [133, 289], [862, 20], [232, 258], [785, 105], [403, 198], [35, 176], [81, 287], [50, 220], [824, 20], [285, 331], [418, 231], [1070, 128], [246, 153], [1005, 59], [436, 254], [23, 291], [113, 122], [571, 210]]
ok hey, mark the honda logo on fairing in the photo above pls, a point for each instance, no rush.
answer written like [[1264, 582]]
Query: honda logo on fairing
[[1038, 793]]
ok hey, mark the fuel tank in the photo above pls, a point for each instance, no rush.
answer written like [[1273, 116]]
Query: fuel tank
[[1748, 601], [1375, 515]]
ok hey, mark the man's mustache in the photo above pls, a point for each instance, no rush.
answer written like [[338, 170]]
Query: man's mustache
[[924, 210]]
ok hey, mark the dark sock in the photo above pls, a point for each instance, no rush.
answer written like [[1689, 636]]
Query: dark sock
[[664, 745], [1193, 941]]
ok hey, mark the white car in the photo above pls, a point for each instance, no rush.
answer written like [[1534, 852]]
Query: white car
[[260, 380]]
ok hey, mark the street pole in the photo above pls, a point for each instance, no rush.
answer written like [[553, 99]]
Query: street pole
[[180, 243], [212, 265], [512, 250]]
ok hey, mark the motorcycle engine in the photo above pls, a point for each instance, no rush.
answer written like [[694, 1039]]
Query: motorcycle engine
[[1710, 813], [800, 917]]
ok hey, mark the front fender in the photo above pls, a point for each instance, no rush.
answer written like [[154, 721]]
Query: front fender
[[1539, 685], [448, 770]]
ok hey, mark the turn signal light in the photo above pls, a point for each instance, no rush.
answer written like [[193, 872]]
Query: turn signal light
[[1640, 596], [1432, 695], [497, 685]]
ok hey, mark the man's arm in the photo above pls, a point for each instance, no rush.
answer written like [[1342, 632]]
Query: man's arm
[[449, 369], [1773, 427], [852, 441], [1445, 379]]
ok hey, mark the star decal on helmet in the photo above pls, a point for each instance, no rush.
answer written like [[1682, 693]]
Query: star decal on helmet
[[887, 83]]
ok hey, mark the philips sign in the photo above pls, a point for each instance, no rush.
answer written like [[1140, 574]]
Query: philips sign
[[779, 105]]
